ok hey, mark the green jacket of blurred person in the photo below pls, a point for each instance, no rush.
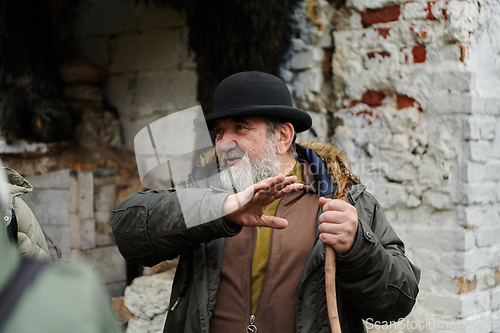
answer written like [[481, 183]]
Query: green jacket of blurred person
[[62, 298]]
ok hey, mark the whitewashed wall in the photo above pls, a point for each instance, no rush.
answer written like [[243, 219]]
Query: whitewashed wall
[[416, 86]]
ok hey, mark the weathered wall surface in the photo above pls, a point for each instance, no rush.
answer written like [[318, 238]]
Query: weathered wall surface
[[144, 49], [416, 88]]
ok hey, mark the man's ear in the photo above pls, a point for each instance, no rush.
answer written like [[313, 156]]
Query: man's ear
[[284, 138]]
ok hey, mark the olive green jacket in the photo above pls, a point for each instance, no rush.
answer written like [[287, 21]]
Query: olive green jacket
[[374, 280]]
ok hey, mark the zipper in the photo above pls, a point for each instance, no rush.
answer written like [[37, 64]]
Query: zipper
[[177, 301], [251, 328]]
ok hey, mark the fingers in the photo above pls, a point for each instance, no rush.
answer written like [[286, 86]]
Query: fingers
[[323, 201], [273, 188], [274, 222], [338, 224], [342, 245], [334, 204]]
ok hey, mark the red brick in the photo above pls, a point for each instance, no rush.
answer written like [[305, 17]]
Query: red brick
[[382, 53], [373, 98], [419, 53], [365, 112], [430, 16], [463, 51], [403, 101], [422, 34], [382, 15], [344, 10], [384, 32]]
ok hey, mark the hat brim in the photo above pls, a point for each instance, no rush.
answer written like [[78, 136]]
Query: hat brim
[[300, 119]]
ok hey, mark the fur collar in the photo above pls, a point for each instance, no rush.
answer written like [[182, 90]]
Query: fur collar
[[326, 151]]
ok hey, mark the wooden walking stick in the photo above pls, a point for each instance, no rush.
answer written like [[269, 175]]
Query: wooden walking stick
[[347, 179]]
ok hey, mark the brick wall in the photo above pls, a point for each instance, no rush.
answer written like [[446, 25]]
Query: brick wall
[[416, 88], [144, 49]]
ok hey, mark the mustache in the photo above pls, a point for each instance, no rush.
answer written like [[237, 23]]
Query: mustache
[[232, 153]]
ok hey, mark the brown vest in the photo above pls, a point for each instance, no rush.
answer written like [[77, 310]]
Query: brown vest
[[290, 250]]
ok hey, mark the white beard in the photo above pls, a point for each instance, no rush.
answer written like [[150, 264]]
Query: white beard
[[248, 172]]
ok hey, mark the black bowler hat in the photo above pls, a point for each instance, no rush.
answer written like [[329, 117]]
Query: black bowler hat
[[255, 94]]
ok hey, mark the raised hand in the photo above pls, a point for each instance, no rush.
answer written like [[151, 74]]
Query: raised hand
[[246, 208]]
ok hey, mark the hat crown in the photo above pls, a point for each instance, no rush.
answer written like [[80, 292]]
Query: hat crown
[[249, 89]]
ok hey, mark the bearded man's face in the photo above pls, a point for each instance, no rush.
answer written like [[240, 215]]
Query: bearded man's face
[[246, 153]]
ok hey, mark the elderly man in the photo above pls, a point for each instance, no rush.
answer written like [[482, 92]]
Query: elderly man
[[261, 265]]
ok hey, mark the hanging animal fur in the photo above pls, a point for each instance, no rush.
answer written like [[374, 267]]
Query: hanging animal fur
[[31, 106]]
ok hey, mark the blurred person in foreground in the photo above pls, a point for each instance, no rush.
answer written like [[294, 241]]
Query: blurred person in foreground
[[260, 264], [48, 297]]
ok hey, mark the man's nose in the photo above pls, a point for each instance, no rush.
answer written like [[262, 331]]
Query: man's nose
[[224, 146]]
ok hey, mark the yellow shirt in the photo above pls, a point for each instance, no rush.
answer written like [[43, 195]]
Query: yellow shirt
[[263, 246]]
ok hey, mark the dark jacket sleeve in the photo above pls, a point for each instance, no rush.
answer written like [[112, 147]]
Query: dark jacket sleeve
[[375, 276], [150, 227]]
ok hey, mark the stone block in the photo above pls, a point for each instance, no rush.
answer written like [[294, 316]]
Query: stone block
[[301, 59], [286, 75], [495, 299], [487, 237], [479, 151], [481, 193], [437, 200], [105, 17], [131, 126], [107, 262], [487, 127], [94, 50], [492, 170], [150, 50], [476, 259], [414, 10], [326, 39], [449, 104], [481, 322], [50, 206], [121, 91], [83, 92], [104, 202], [436, 237], [58, 237], [452, 80], [475, 303], [442, 304], [474, 216], [474, 172], [85, 194], [496, 144], [471, 128], [318, 131], [51, 180], [154, 17], [172, 90]]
